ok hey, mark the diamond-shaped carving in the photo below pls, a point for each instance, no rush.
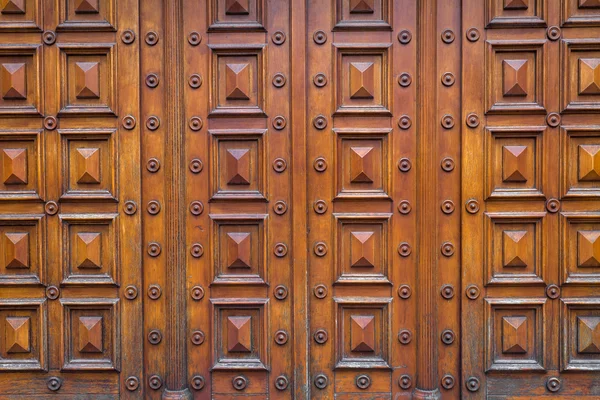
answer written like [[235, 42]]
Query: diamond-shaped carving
[[14, 166], [238, 166], [238, 249], [514, 334], [239, 334], [237, 7], [88, 165], [361, 164], [362, 80], [588, 249], [589, 162], [13, 6], [89, 250], [87, 6], [514, 76], [362, 249], [589, 3], [515, 248], [18, 335], [90, 335], [237, 83], [14, 81], [516, 4], [87, 80], [589, 76], [16, 249], [362, 333], [362, 6], [514, 163], [588, 335]]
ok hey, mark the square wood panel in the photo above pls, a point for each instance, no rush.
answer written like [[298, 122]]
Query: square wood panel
[[362, 14], [20, 80], [580, 13], [21, 15], [580, 319], [22, 159], [580, 248], [580, 75], [233, 15], [22, 250], [87, 15], [580, 167], [515, 13]]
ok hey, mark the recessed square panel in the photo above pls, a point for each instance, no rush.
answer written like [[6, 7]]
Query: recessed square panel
[[362, 248], [240, 332], [363, 336], [580, 248], [91, 334], [580, 13], [580, 155], [233, 15], [20, 80], [516, 334], [580, 320], [89, 164], [580, 75], [90, 249], [362, 79], [87, 15], [239, 249], [362, 163], [87, 79], [515, 248], [514, 162], [21, 159], [515, 77], [363, 14], [22, 250], [21, 15], [237, 87], [515, 13], [238, 162]]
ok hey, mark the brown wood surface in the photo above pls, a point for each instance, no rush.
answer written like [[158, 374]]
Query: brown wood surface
[[277, 199]]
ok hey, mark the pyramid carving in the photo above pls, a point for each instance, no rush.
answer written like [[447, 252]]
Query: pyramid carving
[[514, 75], [514, 163], [14, 166], [88, 165], [362, 6], [589, 76], [87, 80], [588, 249], [361, 164], [516, 4], [16, 249], [238, 166], [589, 162], [362, 80], [588, 334], [362, 249], [87, 6], [89, 250], [13, 6], [362, 333], [239, 334], [238, 250], [17, 333], [514, 334], [589, 3], [516, 249], [237, 81], [90, 335], [237, 7], [14, 81]]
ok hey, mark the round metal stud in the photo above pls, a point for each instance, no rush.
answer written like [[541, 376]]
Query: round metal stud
[[279, 80], [448, 121], [320, 164], [320, 37], [320, 79], [472, 120], [194, 38], [130, 207], [197, 293], [131, 292], [152, 123], [49, 37], [404, 37], [151, 38], [278, 38], [279, 122], [448, 79], [196, 207], [280, 292], [153, 207], [54, 383], [447, 206], [553, 384], [473, 35], [363, 382], [404, 249], [132, 383], [198, 382], [553, 33], [154, 291], [472, 292], [404, 292], [404, 165], [320, 206], [320, 249], [320, 291], [448, 337], [195, 81], [448, 36], [197, 250], [153, 165], [404, 207], [279, 165], [196, 165], [128, 36], [404, 336], [447, 291], [280, 207], [281, 382], [155, 382], [50, 123], [472, 384], [154, 337], [553, 205], [320, 336], [280, 250], [553, 291], [447, 164], [152, 80], [405, 382], [404, 79], [51, 208], [404, 122], [281, 337], [447, 249], [239, 382], [321, 381], [197, 338], [472, 206], [195, 123], [448, 381], [52, 292], [553, 120], [129, 122], [320, 122], [154, 249]]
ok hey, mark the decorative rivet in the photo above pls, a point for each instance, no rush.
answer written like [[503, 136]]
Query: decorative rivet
[[553, 205], [131, 292], [197, 293], [553, 291], [154, 291], [321, 381], [553, 33], [320, 79], [321, 336], [320, 164], [279, 165], [363, 382], [197, 338], [404, 291], [447, 164], [448, 121], [130, 207], [281, 337], [194, 38], [153, 165], [404, 249], [320, 122], [447, 291], [473, 35], [132, 383], [195, 123], [52, 292], [197, 250], [472, 292], [404, 336], [447, 206], [49, 37], [448, 381], [320, 206], [320, 249], [198, 382], [54, 383], [153, 207], [404, 37], [448, 79], [154, 249], [195, 81], [472, 384], [553, 120], [278, 38], [239, 382], [472, 120], [196, 165], [405, 382], [151, 38], [553, 384], [128, 36], [51, 208], [404, 122], [448, 337], [280, 250], [320, 37], [196, 207], [129, 122], [279, 80], [404, 165], [320, 291], [472, 206], [404, 79], [279, 122], [50, 123], [280, 292], [152, 123], [447, 249], [448, 36], [281, 382], [152, 80], [155, 382], [154, 336], [404, 207], [280, 207]]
